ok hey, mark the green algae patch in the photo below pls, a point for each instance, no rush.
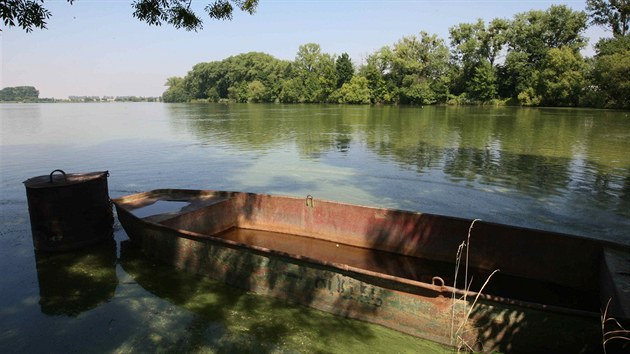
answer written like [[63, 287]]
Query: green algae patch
[[227, 319], [74, 282]]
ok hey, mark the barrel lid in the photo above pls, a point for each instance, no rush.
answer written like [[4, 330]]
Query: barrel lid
[[58, 178]]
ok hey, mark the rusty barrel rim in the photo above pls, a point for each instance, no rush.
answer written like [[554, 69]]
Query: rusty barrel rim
[[53, 180]]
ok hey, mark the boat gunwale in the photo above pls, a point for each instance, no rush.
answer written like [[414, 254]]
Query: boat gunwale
[[165, 192], [443, 290]]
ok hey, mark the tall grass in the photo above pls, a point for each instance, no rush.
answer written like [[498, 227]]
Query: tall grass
[[618, 332], [459, 319]]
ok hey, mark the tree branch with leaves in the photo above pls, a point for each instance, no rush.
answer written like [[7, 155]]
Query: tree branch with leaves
[[31, 14], [610, 13]]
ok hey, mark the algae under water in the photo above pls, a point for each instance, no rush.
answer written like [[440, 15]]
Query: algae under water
[[228, 319]]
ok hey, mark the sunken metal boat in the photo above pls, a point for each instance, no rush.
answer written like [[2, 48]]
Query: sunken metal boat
[[395, 268]]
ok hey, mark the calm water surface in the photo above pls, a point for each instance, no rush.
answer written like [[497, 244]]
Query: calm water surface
[[564, 170]]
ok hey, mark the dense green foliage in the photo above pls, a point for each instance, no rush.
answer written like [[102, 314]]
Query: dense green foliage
[[344, 68], [611, 71], [19, 94], [31, 14], [532, 59]]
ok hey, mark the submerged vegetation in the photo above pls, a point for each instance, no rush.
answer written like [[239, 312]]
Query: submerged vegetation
[[533, 59], [227, 319]]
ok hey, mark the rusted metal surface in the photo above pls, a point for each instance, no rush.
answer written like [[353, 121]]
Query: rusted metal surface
[[69, 211], [390, 267]]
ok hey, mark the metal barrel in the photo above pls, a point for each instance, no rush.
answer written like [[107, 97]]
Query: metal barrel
[[69, 210]]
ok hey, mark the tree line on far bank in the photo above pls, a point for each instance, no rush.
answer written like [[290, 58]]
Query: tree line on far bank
[[30, 94], [532, 59], [19, 94]]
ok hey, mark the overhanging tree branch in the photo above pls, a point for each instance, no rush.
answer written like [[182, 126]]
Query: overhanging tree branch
[[610, 13], [31, 14]]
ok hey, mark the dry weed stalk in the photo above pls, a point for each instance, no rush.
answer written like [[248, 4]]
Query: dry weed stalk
[[619, 333], [458, 335]]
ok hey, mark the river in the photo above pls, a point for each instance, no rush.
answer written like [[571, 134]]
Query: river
[[565, 170]]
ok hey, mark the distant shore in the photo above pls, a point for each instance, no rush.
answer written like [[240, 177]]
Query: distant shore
[[86, 99]]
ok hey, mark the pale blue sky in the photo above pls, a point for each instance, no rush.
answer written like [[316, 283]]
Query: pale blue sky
[[98, 48]]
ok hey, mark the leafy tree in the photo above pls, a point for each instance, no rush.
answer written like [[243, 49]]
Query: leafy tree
[[316, 71], [238, 92], [176, 91], [344, 69], [27, 14], [535, 32], [31, 14], [495, 39], [611, 72], [475, 49], [377, 70], [473, 42], [467, 41], [562, 77], [417, 91], [483, 83], [529, 97], [530, 36], [414, 70], [213, 95], [542, 65], [419, 67], [305, 66], [327, 76], [608, 46], [291, 91], [19, 93], [356, 91], [249, 67], [516, 74], [611, 13], [201, 78], [213, 80], [256, 91], [307, 57]]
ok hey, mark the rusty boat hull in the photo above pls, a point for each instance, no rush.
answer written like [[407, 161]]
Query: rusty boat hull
[[391, 267]]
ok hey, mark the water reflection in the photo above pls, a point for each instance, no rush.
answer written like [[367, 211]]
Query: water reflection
[[20, 119], [267, 127], [535, 175], [74, 282], [534, 152], [455, 161]]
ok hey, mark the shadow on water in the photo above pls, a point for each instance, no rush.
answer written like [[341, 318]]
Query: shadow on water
[[74, 282], [530, 268], [230, 320]]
